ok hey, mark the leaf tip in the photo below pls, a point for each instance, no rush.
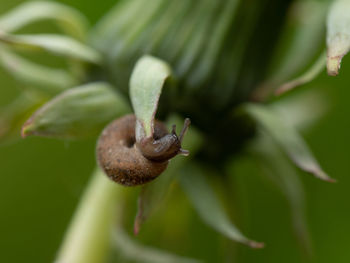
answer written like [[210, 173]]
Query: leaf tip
[[26, 129], [137, 226], [331, 180], [256, 245], [138, 221], [323, 176], [333, 65]]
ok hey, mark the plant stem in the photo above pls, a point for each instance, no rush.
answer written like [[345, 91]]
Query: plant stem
[[88, 237]]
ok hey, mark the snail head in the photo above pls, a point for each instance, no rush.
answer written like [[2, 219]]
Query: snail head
[[163, 146]]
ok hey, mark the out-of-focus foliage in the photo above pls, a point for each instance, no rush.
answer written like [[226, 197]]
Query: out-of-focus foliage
[[36, 206]]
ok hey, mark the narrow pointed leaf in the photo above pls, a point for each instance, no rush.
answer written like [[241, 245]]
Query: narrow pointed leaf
[[134, 251], [295, 109], [56, 44], [288, 139], [208, 206], [71, 20], [78, 112], [146, 83], [338, 35], [300, 41], [280, 171], [153, 194], [115, 20], [306, 77], [40, 77], [220, 30]]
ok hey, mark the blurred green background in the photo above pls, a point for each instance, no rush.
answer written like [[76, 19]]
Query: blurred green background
[[42, 179]]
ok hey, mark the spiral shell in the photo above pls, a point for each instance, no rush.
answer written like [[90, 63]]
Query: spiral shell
[[121, 159]]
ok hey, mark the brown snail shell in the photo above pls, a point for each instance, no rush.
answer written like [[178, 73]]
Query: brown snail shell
[[120, 156]]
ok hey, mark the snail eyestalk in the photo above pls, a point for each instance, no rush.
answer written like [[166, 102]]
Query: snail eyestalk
[[187, 124]]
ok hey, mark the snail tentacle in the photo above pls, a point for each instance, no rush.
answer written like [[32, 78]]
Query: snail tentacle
[[187, 124]]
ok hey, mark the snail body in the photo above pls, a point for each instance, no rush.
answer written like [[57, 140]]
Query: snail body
[[132, 163]]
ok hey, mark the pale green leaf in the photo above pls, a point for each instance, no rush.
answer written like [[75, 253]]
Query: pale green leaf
[[299, 43], [295, 109], [281, 172], [116, 20], [39, 77], [71, 20], [135, 27], [153, 194], [215, 42], [300, 40], [136, 252], [208, 206], [306, 77], [146, 83], [78, 112], [55, 44], [338, 35], [288, 139]]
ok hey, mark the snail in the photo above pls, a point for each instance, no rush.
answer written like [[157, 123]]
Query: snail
[[130, 162]]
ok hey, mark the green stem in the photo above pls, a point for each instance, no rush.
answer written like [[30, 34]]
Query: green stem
[[88, 238]]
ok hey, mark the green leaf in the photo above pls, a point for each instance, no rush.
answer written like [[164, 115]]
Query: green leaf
[[55, 44], [295, 109], [40, 77], [153, 194], [287, 138], [135, 27], [134, 251], [300, 41], [15, 114], [215, 42], [117, 21], [78, 112], [280, 171], [338, 35], [71, 20], [306, 77], [208, 206], [146, 83]]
